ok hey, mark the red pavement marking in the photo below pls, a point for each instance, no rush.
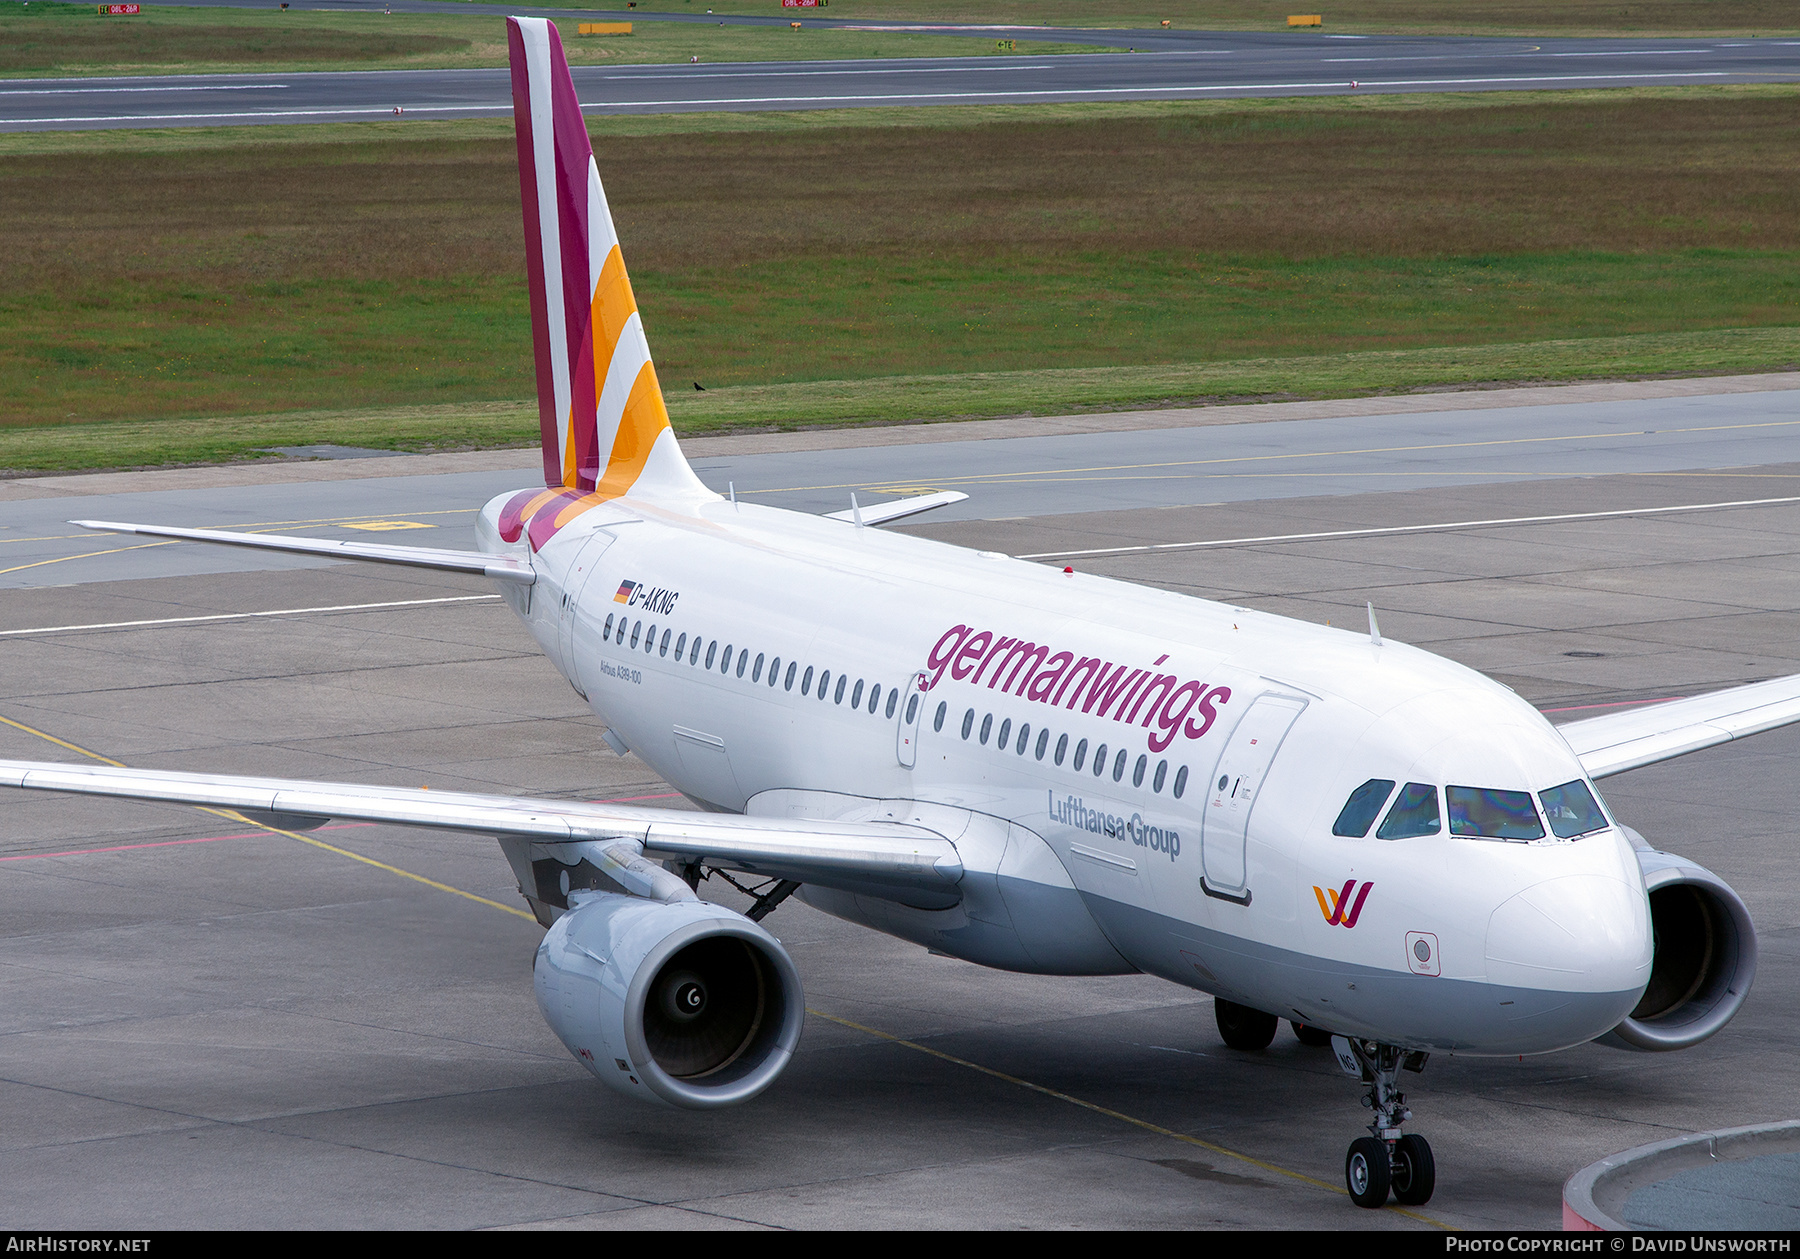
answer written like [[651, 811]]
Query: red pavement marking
[[165, 843]]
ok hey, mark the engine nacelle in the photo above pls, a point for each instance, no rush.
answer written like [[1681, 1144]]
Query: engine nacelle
[[680, 1002], [1705, 957]]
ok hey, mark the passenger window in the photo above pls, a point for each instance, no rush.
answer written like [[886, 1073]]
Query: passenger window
[[1042, 744], [694, 651], [987, 728], [937, 722], [1099, 760], [968, 722], [1024, 738], [874, 698], [912, 709], [1137, 771], [649, 641], [1005, 734], [774, 671], [1119, 766], [664, 649], [635, 631], [856, 695], [824, 683], [1162, 772], [1415, 813], [1489, 813], [894, 700], [756, 671], [1080, 754], [712, 650], [838, 697], [1572, 810], [805, 680], [607, 632], [725, 660], [1062, 745], [788, 683], [1180, 781], [743, 659], [681, 647], [1362, 808]]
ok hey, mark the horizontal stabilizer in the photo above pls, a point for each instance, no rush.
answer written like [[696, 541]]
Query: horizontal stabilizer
[[499, 567], [898, 509], [857, 856], [1658, 732]]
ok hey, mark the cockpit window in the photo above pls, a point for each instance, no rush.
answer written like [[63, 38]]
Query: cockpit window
[[1361, 809], [1488, 813], [1572, 810], [1415, 813]]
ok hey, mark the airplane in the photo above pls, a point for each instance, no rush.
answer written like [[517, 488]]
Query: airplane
[[1015, 764]]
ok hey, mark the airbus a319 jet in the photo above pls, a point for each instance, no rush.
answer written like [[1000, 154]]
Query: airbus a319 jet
[[1025, 767]]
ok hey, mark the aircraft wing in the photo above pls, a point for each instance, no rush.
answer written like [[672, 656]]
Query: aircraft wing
[[897, 509], [499, 567], [1657, 732], [855, 856]]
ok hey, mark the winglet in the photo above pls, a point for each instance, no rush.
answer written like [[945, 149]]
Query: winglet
[[605, 429]]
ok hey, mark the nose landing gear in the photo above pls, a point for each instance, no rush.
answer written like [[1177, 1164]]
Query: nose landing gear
[[1385, 1161]]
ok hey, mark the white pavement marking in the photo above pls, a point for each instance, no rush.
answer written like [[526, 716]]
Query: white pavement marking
[[95, 91], [244, 616], [1396, 529], [503, 107]]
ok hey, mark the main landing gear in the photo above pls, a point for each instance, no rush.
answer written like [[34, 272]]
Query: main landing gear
[[1385, 1161]]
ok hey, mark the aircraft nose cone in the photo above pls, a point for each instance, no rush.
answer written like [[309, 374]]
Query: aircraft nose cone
[[1581, 933]]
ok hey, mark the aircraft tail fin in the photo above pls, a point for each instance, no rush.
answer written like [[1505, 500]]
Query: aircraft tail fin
[[605, 429]]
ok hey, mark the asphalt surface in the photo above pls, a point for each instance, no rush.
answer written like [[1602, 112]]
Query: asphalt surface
[[1655, 440], [1169, 66], [203, 1026]]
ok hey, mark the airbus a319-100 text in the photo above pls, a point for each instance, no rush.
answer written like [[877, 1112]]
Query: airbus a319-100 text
[[1027, 768]]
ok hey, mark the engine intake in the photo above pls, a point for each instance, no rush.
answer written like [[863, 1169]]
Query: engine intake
[[1705, 957], [684, 1003]]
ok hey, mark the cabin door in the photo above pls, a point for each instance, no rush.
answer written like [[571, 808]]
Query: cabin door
[[1231, 795], [586, 561]]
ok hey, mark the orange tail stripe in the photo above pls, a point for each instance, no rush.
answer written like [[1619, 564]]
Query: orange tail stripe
[[614, 303], [1323, 907], [644, 420]]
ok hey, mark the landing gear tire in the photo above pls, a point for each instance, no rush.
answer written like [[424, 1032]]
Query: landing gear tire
[[1316, 1037], [1240, 1027], [1414, 1174], [1366, 1172]]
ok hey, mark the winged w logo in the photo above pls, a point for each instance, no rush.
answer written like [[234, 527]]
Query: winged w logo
[[1337, 907]]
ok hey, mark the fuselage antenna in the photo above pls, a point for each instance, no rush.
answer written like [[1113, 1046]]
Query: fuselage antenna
[[1374, 629], [855, 511], [731, 487]]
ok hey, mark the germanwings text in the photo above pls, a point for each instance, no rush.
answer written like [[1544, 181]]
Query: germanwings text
[[1167, 703]]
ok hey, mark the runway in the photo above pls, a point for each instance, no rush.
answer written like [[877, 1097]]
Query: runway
[[227, 1028], [1170, 66]]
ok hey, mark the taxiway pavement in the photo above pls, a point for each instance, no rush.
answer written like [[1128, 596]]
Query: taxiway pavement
[[1188, 65], [233, 1029]]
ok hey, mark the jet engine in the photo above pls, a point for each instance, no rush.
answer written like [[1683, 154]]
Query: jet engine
[[680, 1002], [1704, 961]]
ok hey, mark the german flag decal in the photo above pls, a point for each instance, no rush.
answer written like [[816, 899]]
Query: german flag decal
[[625, 589]]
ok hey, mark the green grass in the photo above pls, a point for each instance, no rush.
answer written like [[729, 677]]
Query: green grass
[[69, 39], [890, 266], [912, 399]]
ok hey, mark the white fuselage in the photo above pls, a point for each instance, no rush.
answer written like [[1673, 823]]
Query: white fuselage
[[1199, 846]]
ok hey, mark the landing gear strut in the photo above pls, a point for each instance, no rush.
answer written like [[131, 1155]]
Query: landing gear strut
[[1385, 1161]]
